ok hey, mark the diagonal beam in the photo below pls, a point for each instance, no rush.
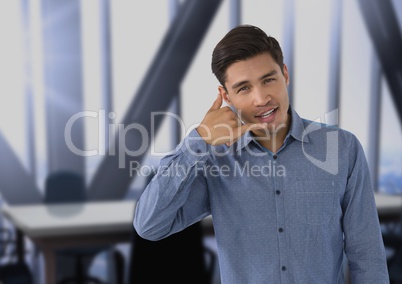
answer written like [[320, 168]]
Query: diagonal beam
[[112, 178], [17, 186], [383, 27]]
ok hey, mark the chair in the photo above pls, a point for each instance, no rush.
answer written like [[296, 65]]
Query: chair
[[67, 187], [394, 262], [392, 237], [12, 271], [179, 258], [16, 273]]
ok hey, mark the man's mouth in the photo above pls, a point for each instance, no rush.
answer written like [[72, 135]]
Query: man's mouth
[[267, 113]]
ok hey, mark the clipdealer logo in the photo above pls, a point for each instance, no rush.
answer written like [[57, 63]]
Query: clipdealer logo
[[330, 164]]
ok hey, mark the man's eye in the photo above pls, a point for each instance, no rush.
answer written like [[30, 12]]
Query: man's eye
[[269, 80], [243, 89]]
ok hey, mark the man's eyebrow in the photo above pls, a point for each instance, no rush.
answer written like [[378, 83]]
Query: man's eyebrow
[[238, 84], [269, 74]]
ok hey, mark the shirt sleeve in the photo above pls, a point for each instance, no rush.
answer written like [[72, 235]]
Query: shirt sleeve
[[177, 196], [364, 246]]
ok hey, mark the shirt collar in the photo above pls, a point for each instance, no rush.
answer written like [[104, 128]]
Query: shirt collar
[[296, 131]]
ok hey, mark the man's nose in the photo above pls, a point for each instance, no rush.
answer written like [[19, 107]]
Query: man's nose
[[261, 97]]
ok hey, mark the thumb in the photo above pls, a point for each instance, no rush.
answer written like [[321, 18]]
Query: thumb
[[217, 103]]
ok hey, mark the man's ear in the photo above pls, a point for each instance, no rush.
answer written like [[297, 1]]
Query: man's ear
[[225, 95], [286, 74]]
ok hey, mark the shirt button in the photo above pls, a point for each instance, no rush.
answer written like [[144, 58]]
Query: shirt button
[[275, 157], [280, 230], [284, 268], [278, 192]]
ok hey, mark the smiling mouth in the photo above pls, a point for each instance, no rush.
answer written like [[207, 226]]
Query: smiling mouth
[[267, 114]]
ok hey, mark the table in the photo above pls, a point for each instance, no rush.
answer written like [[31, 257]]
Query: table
[[53, 227], [57, 226], [73, 225]]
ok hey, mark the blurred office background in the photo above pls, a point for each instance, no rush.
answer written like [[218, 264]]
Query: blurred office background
[[59, 58]]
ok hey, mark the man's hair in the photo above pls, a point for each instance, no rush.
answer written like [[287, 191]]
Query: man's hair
[[241, 43]]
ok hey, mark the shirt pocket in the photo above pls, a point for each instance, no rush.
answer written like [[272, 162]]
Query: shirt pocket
[[315, 201]]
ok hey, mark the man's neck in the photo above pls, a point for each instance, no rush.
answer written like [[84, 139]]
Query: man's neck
[[274, 140]]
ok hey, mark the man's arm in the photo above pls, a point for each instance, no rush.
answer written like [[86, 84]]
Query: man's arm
[[177, 196], [364, 246]]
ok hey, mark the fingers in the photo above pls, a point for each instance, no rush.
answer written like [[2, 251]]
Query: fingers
[[217, 103]]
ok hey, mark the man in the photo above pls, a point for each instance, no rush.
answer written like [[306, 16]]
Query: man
[[288, 197]]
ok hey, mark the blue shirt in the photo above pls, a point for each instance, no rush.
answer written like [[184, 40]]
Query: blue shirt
[[287, 217]]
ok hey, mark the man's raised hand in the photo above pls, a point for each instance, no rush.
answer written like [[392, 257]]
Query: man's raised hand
[[222, 126]]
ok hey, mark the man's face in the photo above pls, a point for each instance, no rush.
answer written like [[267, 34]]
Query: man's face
[[257, 89]]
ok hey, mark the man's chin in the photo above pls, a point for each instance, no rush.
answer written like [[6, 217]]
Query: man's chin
[[271, 128], [263, 131]]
